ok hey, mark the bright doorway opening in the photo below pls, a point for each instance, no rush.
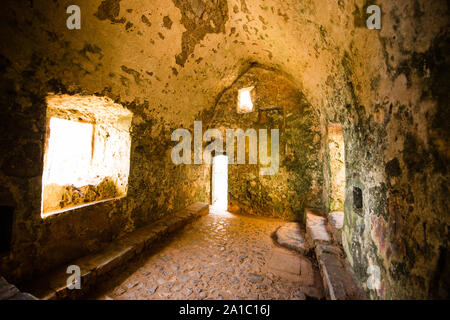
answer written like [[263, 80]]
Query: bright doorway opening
[[219, 186]]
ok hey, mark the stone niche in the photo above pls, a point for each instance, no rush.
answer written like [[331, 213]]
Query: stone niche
[[87, 152], [6, 222]]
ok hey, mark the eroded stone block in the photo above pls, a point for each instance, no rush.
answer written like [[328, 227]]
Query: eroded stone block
[[316, 228]]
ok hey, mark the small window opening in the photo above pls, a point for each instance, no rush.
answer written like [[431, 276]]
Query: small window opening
[[87, 152], [357, 200], [69, 154], [245, 103], [6, 222]]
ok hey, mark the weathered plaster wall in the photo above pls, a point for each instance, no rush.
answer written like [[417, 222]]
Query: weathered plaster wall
[[278, 104], [44, 57], [166, 63], [396, 135]]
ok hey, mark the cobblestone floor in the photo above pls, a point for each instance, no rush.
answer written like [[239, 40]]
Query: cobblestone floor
[[222, 256]]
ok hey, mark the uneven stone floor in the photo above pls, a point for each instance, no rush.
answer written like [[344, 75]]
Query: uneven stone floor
[[221, 256]]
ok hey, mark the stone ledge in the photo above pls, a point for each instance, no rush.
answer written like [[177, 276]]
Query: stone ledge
[[316, 229], [94, 266], [335, 224], [339, 280], [292, 237], [10, 292]]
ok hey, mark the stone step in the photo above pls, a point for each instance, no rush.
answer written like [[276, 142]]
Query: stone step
[[94, 266], [316, 230], [292, 237], [339, 280], [313, 211], [296, 268]]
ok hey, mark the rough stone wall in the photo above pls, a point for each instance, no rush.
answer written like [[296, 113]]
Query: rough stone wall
[[388, 89], [47, 58], [396, 135], [278, 104]]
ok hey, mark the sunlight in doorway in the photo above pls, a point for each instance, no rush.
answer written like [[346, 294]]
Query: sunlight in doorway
[[220, 183]]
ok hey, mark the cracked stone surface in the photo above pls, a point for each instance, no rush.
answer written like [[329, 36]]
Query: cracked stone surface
[[221, 257]]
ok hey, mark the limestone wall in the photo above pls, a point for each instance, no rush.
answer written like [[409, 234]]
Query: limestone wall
[[396, 150], [167, 63]]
